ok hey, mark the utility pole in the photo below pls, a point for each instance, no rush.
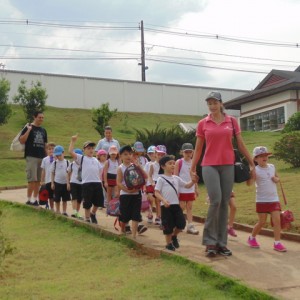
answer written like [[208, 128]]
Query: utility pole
[[143, 66]]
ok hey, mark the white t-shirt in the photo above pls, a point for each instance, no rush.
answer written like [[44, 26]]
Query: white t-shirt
[[147, 169], [156, 168], [266, 189], [167, 190], [91, 169], [112, 166], [184, 174], [73, 168], [46, 165], [59, 168], [143, 161]]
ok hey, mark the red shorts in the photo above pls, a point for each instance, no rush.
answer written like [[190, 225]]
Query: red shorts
[[111, 179], [150, 189], [187, 196], [267, 207]]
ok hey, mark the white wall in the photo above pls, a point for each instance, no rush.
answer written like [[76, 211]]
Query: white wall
[[127, 96]]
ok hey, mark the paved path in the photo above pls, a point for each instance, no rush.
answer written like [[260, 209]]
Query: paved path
[[265, 269]]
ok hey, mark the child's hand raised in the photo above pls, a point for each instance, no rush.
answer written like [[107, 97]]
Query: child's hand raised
[[74, 138]]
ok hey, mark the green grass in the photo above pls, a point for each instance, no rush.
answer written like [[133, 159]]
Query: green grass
[[62, 123], [53, 259]]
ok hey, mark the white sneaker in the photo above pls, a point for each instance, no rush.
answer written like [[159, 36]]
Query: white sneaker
[[192, 230]]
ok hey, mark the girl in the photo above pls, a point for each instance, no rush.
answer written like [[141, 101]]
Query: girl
[[187, 195], [232, 211], [267, 200], [110, 173]]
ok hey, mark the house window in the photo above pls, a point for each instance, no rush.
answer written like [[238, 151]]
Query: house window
[[268, 120]]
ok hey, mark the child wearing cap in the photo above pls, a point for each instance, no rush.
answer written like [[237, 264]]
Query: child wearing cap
[[91, 170], [76, 186], [166, 191], [59, 180], [187, 195], [139, 151], [46, 173], [267, 200], [130, 199], [154, 173], [110, 173]]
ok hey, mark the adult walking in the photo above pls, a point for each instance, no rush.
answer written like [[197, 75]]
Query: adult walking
[[34, 136], [216, 131], [107, 141]]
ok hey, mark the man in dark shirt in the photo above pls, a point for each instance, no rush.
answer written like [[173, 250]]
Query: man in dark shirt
[[35, 138]]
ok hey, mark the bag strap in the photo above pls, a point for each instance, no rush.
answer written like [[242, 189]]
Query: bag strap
[[283, 194], [170, 184]]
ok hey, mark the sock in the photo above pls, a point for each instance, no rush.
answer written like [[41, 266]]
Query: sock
[[252, 237], [276, 242]]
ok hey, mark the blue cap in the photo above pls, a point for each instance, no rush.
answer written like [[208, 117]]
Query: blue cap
[[78, 151], [151, 149], [138, 147], [58, 150]]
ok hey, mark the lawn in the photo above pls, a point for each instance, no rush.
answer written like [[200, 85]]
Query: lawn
[[53, 259], [62, 123]]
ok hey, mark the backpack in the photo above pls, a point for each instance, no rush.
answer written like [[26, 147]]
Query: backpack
[[79, 173], [16, 144], [180, 161], [113, 207], [134, 177], [145, 203], [43, 196]]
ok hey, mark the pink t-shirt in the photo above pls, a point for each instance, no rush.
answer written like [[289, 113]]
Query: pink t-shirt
[[218, 139]]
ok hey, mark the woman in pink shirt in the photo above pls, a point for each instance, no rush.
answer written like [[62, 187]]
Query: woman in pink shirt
[[216, 132]]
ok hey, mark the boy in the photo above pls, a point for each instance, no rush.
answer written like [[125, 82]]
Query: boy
[[166, 191], [91, 173], [59, 180], [130, 199], [46, 173]]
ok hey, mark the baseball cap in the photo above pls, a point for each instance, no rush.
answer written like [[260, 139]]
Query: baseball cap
[[214, 95], [113, 150], [161, 149], [187, 147], [151, 149], [101, 152], [88, 144], [78, 151], [260, 150], [125, 148], [58, 150], [138, 147]]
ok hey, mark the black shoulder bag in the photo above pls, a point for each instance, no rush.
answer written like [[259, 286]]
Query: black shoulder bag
[[241, 171]]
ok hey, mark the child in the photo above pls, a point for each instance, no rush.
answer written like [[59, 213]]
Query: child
[[160, 151], [46, 172], [139, 151], [130, 199], [232, 211], [187, 195], [91, 170], [76, 186], [149, 186], [59, 180], [102, 157], [267, 200], [166, 191], [110, 173]]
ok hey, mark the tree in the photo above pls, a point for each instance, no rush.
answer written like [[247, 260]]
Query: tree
[[5, 108], [287, 148], [293, 123], [31, 99], [101, 117]]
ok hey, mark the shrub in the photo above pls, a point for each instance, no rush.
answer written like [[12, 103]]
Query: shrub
[[287, 148], [5, 109], [101, 117], [293, 123]]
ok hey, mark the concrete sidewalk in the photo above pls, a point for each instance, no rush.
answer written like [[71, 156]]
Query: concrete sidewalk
[[276, 273]]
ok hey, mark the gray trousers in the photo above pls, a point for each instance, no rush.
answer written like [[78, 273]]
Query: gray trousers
[[219, 182]]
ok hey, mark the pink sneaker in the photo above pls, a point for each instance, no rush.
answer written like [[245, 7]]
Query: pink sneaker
[[253, 243], [231, 231], [279, 247]]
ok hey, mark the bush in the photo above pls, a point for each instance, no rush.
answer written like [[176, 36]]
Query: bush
[[5, 108], [101, 117], [287, 148], [293, 123], [31, 99]]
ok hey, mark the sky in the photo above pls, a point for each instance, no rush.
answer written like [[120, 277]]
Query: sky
[[230, 44]]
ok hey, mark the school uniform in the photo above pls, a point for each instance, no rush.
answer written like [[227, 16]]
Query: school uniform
[[59, 168], [46, 166], [76, 185]]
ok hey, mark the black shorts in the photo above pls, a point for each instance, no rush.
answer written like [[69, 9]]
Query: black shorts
[[172, 217], [61, 192], [76, 191], [92, 194], [130, 208], [49, 190]]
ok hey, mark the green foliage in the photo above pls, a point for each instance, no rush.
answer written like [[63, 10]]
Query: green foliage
[[31, 99], [124, 120], [287, 148], [101, 117], [172, 138], [5, 108], [293, 123]]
